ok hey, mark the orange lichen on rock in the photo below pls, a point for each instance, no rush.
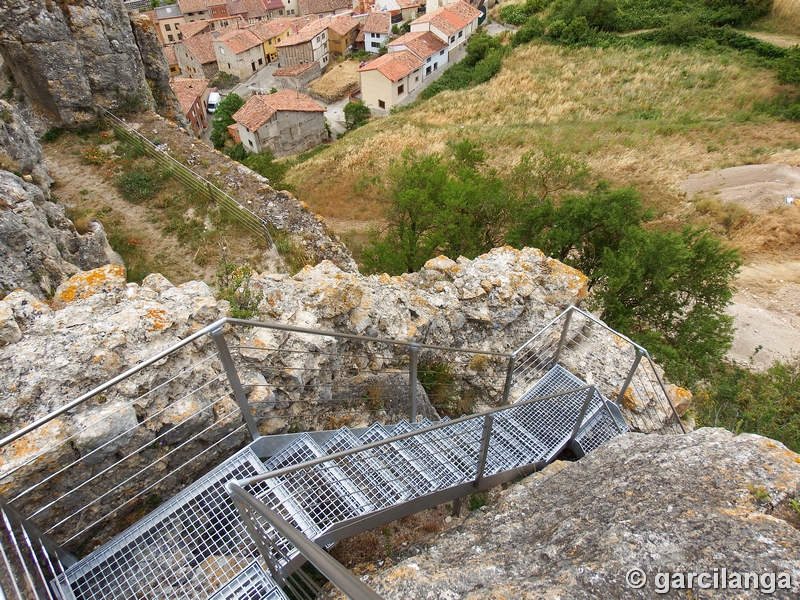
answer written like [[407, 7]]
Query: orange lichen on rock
[[105, 279], [158, 319], [577, 282]]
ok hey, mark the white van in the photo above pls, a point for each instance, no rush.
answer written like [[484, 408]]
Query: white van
[[213, 101]]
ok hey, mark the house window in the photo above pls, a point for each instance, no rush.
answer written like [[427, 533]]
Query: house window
[[171, 37], [167, 27], [260, 61], [400, 89], [381, 104], [280, 12], [214, 11], [427, 70], [251, 143], [222, 50], [441, 52], [416, 79], [460, 34], [376, 45], [452, 39], [428, 59]]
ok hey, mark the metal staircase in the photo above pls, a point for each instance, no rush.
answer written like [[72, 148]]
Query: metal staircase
[[242, 530], [188, 545]]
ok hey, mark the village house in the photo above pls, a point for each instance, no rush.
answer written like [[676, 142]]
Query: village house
[[409, 9], [252, 11], [310, 44], [218, 9], [286, 122], [342, 33], [168, 18], [270, 33], [324, 8], [189, 30], [388, 79], [298, 77], [193, 97], [426, 46], [196, 56], [399, 10], [275, 9], [453, 23], [376, 29], [172, 61], [194, 10], [239, 52]]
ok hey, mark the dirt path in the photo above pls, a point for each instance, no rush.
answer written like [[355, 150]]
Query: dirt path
[[81, 188], [776, 39]]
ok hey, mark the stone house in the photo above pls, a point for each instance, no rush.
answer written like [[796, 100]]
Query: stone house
[[324, 8], [453, 23], [194, 10], [286, 122], [377, 29], [388, 79], [342, 33], [426, 46], [298, 77], [270, 33], [196, 56], [239, 52], [193, 97], [310, 44]]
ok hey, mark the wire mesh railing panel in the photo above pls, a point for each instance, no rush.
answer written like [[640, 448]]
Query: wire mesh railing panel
[[186, 548]]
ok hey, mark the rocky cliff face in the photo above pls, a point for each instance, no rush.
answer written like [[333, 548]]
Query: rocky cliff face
[[39, 246], [705, 502], [70, 55]]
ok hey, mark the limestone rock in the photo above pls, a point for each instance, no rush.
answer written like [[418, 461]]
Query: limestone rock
[[20, 151], [674, 504]]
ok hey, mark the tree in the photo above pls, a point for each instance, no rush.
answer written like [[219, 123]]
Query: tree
[[223, 117], [355, 115], [545, 172]]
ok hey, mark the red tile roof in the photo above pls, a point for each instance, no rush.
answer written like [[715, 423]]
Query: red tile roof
[[378, 22], [188, 90], [451, 17], [343, 24], [306, 34], [295, 70], [394, 65], [271, 5], [252, 9], [318, 7], [192, 5], [239, 40], [409, 3], [259, 109], [266, 30], [421, 43], [201, 47], [169, 54], [192, 29]]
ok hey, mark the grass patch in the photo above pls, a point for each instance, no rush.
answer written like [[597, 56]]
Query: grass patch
[[137, 186]]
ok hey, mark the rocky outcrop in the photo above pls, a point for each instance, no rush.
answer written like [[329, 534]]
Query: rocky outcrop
[[39, 246], [70, 55], [708, 502]]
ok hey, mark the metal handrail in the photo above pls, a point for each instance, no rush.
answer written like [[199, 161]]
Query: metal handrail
[[332, 569]]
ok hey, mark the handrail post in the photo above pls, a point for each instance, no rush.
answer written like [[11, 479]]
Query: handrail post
[[236, 384], [629, 378], [412, 381], [579, 421], [485, 440], [563, 340], [509, 376]]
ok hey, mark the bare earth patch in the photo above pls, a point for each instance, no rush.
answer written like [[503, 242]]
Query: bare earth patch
[[337, 82], [766, 307]]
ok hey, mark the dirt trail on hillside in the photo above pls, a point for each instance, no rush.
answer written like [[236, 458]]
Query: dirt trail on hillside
[[776, 39]]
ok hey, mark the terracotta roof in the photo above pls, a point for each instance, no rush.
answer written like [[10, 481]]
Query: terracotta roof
[[409, 3], [252, 8], [192, 29], [343, 24], [266, 30], [294, 71], [236, 7], [270, 5], [188, 90], [169, 54], [258, 109], [451, 17], [421, 43], [378, 22], [201, 47], [239, 40], [360, 36], [306, 34], [395, 65], [316, 7], [192, 5]]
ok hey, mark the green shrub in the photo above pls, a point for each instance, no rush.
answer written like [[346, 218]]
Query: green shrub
[[137, 186], [514, 14], [237, 152], [355, 115], [52, 134]]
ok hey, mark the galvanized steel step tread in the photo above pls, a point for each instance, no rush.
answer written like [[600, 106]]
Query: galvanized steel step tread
[[251, 584]]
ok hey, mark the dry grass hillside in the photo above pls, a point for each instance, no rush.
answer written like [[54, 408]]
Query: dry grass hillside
[[785, 17], [647, 117]]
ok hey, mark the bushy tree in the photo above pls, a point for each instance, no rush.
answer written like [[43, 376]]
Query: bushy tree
[[264, 164], [223, 117], [355, 115]]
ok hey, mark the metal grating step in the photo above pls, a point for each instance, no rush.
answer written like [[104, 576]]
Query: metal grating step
[[251, 584], [186, 548], [606, 425], [425, 457]]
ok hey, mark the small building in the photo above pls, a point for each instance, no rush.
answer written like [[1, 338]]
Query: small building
[[342, 33], [196, 57], [239, 52], [426, 46], [172, 61], [298, 77], [252, 11], [387, 80], [453, 23], [310, 44], [409, 9], [168, 18], [188, 30], [324, 8], [270, 33], [275, 9], [193, 96], [194, 10], [377, 29], [218, 9], [286, 122]]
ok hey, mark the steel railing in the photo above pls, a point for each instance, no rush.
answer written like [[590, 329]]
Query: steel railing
[[79, 474]]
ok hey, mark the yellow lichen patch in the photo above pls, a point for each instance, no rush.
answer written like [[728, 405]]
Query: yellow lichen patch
[[681, 399], [44, 443], [631, 401], [157, 319], [88, 283], [577, 282]]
